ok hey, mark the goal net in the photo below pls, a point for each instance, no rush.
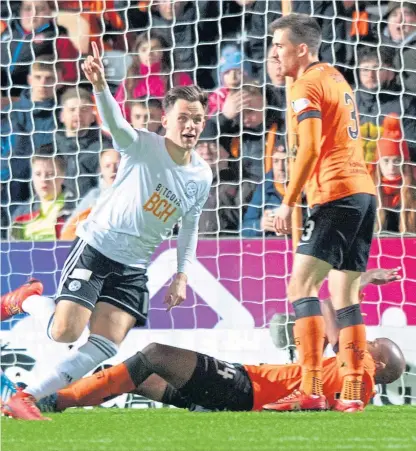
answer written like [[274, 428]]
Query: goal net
[[236, 307]]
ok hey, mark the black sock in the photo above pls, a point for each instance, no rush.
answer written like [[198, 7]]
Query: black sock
[[306, 307], [139, 368], [349, 316]]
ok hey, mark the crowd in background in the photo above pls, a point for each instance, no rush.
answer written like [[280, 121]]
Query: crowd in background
[[56, 159]]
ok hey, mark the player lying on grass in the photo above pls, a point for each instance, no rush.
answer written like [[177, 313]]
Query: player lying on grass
[[186, 378]]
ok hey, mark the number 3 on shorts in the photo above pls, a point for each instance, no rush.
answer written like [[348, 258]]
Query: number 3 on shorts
[[307, 231]]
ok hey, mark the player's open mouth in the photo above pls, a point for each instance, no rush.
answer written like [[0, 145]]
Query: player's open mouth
[[189, 136]]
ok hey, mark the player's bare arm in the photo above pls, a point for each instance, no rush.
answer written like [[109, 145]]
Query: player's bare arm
[[380, 276]]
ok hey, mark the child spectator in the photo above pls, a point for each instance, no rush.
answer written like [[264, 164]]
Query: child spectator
[[232, 71], [109, 162], [150, 74], [80, 142], [34, 33], [44, 217], [396, 182], [147, 114], [259, 216]]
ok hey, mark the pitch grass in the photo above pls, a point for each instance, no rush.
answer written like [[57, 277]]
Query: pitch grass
[[378, 428]]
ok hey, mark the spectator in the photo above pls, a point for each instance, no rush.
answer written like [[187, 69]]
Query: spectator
[[253, 142], [33, 34], [44, 217], [258, 218], [345, 25], [233, 71], [276, 84], [147, 114], [191, 30], [400, 33], [150, 74], [379, 95], [245, 22], [106, 25], [27, 125], [273, 76], [396, 182], [109, 162], [80, 142], [221, 211]]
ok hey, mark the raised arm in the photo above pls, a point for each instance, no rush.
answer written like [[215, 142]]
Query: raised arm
[[122, 132]]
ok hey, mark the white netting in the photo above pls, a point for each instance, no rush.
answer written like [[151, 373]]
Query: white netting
[[239, 280]]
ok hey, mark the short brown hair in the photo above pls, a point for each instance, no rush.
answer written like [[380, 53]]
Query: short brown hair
[[46, 63], [383, 56], [303, 30], [47, 152], [76, 93], [189, 93]]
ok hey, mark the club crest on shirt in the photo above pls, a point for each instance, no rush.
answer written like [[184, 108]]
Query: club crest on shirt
[[191, 189], [300, 104], [75, 285]]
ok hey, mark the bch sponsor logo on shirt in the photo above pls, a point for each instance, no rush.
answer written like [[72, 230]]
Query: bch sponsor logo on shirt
[[162, 203]]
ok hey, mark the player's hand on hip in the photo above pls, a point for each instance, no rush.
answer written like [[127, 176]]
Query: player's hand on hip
[[283, 219], [176, 293], [94, 69]]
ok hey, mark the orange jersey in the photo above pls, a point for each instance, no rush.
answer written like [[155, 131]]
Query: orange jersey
[[273, 382], [340, 171]]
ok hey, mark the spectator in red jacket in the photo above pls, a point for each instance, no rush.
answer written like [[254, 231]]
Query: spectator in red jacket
[[34, 33], [150, 74]]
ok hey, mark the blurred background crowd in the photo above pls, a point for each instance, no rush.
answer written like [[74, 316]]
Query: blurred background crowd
[[56, 159]]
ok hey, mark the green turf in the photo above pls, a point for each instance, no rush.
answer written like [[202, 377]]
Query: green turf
[[391, 428]]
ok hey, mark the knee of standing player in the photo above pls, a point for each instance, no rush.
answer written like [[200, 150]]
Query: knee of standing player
[[300, 289], [64, 331]]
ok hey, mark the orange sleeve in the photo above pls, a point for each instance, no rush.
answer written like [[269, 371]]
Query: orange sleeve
[[306, 105], [306, 158], [68, 232], [305, 96]]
